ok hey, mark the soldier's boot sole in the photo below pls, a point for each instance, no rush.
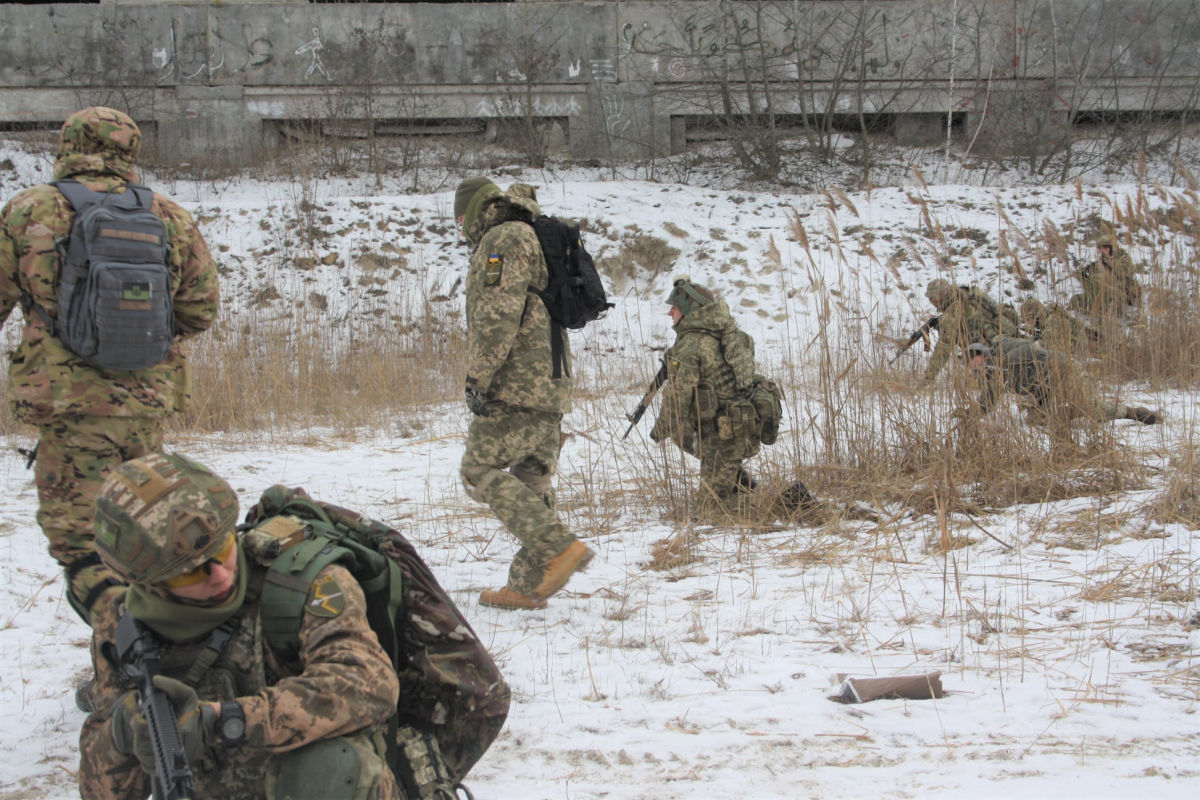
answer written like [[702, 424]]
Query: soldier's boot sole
[[560, 568], [509, 598]]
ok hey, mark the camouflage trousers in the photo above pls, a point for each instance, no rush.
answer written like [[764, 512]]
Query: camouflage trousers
[[74, 456], [509, 464], [720, 464]]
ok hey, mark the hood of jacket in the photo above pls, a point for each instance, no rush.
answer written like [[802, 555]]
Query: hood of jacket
[[713, 319], [518, 202], [98, 141]]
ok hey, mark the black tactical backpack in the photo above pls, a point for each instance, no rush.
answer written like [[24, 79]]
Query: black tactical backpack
[[451, 691], [114, 288], [574, 295]]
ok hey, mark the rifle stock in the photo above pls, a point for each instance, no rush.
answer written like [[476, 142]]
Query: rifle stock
[[138, 651], [636, 415], [920, 333]]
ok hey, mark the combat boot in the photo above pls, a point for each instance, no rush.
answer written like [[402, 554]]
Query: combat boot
[[745, 481], [509, 598], [560, 568], [797, 497], [1143, 415]]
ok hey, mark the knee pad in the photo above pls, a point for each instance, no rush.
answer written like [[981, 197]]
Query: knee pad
[[345, 768]]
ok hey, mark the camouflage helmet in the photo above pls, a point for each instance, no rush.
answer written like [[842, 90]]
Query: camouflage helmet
[[1031, 308], [938, 291], [100, 130], [160, 516], [978, 349], [1106, 240], [688, 296]]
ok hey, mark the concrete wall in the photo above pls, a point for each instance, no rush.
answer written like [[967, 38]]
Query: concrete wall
[[620, 76]]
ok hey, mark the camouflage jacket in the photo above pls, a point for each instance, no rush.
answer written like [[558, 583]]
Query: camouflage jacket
[[700, 382], [1110, 284], [1043, 378], [45, 379], [346, 685], [1058, 328], [508, 327], [971, 317]]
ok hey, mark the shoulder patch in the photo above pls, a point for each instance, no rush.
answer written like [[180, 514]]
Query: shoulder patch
[[325, 598], [495, 267]]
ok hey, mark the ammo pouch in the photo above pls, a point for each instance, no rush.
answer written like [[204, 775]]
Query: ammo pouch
[[740, 421], [767, 398], [706, 403]]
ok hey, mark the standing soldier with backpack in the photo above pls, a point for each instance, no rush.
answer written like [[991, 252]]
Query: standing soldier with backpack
[[518, 386], [272, 653], [90, 414]]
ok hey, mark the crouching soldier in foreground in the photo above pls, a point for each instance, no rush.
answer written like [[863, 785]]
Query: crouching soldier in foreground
[[268, 705], [1049, 384], [707, 408]]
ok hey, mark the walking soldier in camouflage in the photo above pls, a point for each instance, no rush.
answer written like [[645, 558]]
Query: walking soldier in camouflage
[[968, 315], [91, 419], [512, 391], [705, 406]]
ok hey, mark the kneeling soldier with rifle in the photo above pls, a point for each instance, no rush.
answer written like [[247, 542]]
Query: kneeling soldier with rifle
[[706, 406], [190, 699]]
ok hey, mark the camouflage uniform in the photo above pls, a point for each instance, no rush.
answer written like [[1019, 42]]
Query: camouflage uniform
[[968, 315], [342, 690], [90, 419], [512, 452], [1110, 284], [703, 408], [1051, 385], [1054, 326]]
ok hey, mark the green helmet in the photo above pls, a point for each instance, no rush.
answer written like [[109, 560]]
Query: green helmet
[[1031, 308], [688, 296], [160, 516]]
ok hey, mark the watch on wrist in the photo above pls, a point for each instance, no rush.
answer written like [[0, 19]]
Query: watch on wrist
[[231, 725]]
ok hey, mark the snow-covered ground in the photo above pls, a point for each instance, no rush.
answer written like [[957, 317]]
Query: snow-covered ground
[[1060, 628]]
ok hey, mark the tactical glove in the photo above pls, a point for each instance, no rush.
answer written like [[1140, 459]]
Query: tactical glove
[[197, 724], [478, 403]]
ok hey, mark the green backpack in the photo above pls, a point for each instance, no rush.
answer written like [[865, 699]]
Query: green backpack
[[451, 690]]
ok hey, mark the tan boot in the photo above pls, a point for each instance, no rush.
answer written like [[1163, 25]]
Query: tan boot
[[509, 598], [559, 569]]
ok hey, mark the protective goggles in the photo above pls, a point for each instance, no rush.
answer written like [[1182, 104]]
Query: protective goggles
[[201, 573]]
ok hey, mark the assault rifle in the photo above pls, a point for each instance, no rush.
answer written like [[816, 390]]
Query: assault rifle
[[636, 415], [138, 653], [920, 333]]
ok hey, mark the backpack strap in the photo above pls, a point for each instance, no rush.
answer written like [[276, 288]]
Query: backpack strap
[[80, 197], [554, 242], [285, 590]]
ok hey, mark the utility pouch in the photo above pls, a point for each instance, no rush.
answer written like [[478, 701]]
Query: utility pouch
[[743, 420]]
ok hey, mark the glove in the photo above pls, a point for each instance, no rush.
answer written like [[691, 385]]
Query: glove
[[197, 724], [478, 403]]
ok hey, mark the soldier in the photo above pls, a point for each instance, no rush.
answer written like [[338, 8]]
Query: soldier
[[1110, 285], [90, 419], [705, 407], [1051, 386], [968, 315], [252, 723], [1055, 326], [518, 387]]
